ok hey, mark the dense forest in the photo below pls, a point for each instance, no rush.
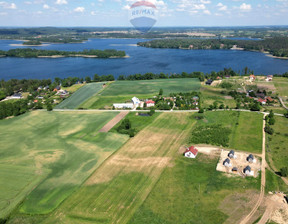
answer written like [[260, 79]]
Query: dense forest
[[277, 46], [32, 42], [34, 53]]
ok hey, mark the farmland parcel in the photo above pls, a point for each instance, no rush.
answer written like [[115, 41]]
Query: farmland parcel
[[61, 148]]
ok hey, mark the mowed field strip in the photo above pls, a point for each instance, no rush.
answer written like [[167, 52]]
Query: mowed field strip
[[81, 95], [117, 188], [60, 149], [114, 121]]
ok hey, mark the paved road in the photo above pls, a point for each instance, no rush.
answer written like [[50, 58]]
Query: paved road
[[263, 178]]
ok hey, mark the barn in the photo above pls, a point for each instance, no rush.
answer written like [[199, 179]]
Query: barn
[[191, 152]]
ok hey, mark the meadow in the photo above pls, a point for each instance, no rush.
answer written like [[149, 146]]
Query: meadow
[[152, 87], [50, 154], [245, 130], [281, 85], [81, 95], [116, 190], [277, 144]]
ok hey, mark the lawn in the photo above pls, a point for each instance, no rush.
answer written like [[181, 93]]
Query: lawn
[[62, 148], [277, 143], [245, 130], [116, 190], [152, 87], [192, 191], [81, 95], [281, 85]]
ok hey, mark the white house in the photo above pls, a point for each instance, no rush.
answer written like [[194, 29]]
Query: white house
[[16, 96], [123, 105], [251, 159], [269, 78], [150, 103], [191, 152], [247, 170], [232, 154], [227, 163]]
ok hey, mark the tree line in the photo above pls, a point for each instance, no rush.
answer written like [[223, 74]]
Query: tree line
[[34, 53], [277, 46]]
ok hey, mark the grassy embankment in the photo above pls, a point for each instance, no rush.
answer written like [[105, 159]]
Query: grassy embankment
[[60, 148], [122, 91]]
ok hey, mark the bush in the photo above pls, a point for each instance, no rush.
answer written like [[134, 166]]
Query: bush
[[151, 112], [284, 171], [201, 111], [269, 130]]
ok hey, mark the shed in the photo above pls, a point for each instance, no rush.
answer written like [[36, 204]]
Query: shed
[[191, 152], [227, 162], [234, 169]]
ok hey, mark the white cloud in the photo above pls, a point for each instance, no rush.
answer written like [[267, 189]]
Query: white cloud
[[222, 7], [61, 2], [7, 5], [46, 6], [79, 9], [207, 12], [245, 7]]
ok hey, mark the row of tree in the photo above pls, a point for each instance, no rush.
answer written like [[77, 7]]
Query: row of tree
[[34, 53], [277, 46]]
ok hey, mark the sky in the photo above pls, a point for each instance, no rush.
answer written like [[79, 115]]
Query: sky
[[112, 13]]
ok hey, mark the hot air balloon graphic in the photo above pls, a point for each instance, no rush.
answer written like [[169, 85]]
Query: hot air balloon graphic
[[143, 15]]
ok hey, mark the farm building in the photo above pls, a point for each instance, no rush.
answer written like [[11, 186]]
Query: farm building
[[191, 152], [227, 162], [234, 169], [251, 159], [262, 101], [123, 105], [136, 101], [232, 155], [150, 103], [248, 171]]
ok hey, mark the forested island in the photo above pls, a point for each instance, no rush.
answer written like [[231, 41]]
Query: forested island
[[277, 46], [32, 42], [36, 53]]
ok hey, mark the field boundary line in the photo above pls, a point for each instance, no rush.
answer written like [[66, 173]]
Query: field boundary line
[[107, 127]]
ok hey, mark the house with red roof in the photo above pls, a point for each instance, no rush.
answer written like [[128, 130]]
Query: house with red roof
[[191, 152], [262, 101], [150, 103], [269, 99]]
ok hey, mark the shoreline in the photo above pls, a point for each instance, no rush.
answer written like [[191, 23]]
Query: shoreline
[[23, 45]]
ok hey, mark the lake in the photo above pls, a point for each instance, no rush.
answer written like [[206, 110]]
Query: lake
[[141, 60]]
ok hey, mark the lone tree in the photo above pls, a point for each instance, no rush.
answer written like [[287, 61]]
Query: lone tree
[[284, 171], [160, 92]]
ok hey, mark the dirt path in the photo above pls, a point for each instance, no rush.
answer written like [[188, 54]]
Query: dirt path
[[263, 178], [283, 104], [114, 121]]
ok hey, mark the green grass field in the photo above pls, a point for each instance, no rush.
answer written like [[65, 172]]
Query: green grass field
[[117, 189], [81, 95], [281, 85], [61, 148], [277, 144], [152, 87], [246, 128]]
